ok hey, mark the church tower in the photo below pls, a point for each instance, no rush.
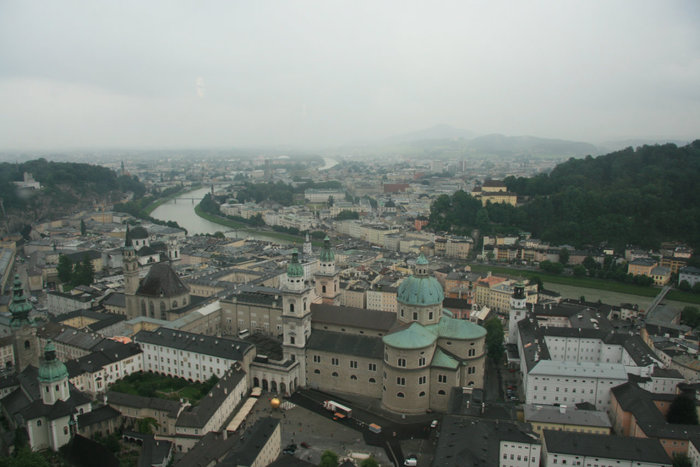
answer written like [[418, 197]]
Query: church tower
[[53, 377], [296, 315], [327, 277], [518, 307], [306, 249], [23, 329], [131, 266]]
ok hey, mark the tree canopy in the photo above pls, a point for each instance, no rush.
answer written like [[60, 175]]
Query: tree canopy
[[682, 411], [637, 196], [494, 339]]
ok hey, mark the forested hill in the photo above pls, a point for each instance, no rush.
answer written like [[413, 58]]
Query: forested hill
[[643, 196], [65, 187]]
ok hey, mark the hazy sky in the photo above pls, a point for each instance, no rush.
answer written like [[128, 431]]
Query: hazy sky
[[239, 73]]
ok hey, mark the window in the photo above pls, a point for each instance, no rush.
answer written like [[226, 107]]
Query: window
[[415, 316], [442, 378], [372, 380], [400, 395], [422, 394], [400, 381], [353, 377], [317, 359], [401, 362], [472, 352], [335, 374], [471, 370], [372, 367], [65, 430], [291, 307], [421, 361], [291, 339], [421, 380], [430, 315], [353, 364], [334, 361], [38, 423], [317, 371], [441, 392]]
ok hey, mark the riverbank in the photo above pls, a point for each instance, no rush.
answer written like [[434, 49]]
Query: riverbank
[[588, 283], [246, 228], [155, 204]]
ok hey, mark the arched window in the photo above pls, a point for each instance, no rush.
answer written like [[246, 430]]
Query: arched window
[[422, 394], [441, 392], [65, 430], [400, 394], [151, 309], [335, 374], [38, 423], [27, 345], [323, 289], [162, 306], [318, 372], [174, 303], [143, 307], [304, 305], [353, 377], [372, 380], [291, 307]]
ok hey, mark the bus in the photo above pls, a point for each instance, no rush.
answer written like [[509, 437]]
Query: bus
[[340, 412]]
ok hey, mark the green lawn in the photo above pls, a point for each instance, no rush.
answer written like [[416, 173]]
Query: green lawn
[[164, 387], [589, 282]]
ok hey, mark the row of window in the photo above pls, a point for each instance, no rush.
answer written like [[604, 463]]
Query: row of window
[[401, 395]]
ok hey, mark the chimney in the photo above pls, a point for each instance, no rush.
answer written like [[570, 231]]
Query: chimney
[[562, 409]]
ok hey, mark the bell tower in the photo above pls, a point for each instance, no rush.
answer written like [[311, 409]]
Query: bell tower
[[26, 352], [296, 315], [327, 277], [518, 308]]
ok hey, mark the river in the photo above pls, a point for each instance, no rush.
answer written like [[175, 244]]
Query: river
[[181, 210]]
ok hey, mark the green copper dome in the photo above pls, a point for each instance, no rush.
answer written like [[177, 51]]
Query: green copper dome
[[460, 329], [295, 269], [327, 255], [50, 368], [413, 337], [421, 288]]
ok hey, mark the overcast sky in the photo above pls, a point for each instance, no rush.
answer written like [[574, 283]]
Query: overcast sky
[[151, 74]]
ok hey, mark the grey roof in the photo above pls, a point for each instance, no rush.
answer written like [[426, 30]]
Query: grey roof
[[352, 317], [97, 415], [154, 451], [80, 339], [639, 351], [214, 449], [607, 446], [198, 416], [640, 403], [484, 438], [162, 281], [141, 402], [347, 344], [552, 414], [224, 347]]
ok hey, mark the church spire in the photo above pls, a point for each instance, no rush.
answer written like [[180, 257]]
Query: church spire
[[19, 306]]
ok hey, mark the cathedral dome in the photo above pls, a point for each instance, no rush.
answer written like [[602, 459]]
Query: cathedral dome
[[51, 369], [295, 269], [327, 255], [421, 288]]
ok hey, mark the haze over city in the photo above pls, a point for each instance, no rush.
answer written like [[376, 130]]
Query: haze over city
[[321, 74]]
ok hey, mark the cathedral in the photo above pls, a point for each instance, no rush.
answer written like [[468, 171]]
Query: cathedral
[[410, 360]]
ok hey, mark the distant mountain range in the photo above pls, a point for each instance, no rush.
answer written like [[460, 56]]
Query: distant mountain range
[[450, 139]]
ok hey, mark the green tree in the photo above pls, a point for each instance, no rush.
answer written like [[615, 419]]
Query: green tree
[[690, 316], [579, 270], [494, 339], [696, 288], [218, 234], [681, 460], [330, 201], [329, 459], [146, 425], [537, 280], [682, 411], [684, 286], [345, 215], [369, 462], [64, 269], [83, 229], [83, 273], [564, 256], [24, 457], [590, 263]]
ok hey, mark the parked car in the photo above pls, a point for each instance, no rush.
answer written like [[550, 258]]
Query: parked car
[[410, 461], [290, 449], [305, 445]]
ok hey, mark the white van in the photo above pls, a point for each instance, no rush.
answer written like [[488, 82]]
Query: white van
[[243, 333]]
